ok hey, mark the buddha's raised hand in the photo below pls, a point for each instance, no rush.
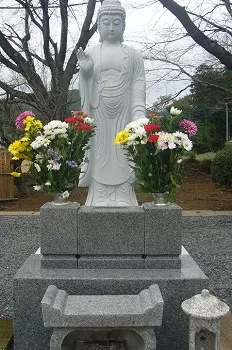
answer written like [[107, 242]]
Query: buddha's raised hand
[[85, 61]]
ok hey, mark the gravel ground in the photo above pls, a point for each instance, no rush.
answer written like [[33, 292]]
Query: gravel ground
[[207, 239]]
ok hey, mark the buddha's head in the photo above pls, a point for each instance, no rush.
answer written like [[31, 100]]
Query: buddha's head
[[111, 21]]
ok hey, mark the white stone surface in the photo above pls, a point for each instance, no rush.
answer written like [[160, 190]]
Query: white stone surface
[[183, 251], [142, 310], [205, 311], [205, 306], [112, 87]]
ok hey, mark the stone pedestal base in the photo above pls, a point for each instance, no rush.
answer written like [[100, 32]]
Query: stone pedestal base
[[32, 281], [147, 237]]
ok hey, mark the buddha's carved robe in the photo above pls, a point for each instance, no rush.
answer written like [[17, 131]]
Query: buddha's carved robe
[[113, 95]]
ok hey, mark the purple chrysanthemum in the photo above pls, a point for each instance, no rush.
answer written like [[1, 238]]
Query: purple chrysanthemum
[[56, 157], [71, 163], [20, 118], [189, 126]]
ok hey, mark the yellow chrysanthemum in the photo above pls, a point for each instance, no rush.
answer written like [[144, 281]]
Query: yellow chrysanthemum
[[28, 119], [15, 174], [38, 124], [32, 124], [25, 139], [121, 137], [15, 146], [19, 149]]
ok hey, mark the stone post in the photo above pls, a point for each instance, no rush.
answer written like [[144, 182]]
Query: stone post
[[59, 243], [205, 311]]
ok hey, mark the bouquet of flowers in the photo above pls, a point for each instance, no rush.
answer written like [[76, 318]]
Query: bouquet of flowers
[[55, 150], [155, 147]]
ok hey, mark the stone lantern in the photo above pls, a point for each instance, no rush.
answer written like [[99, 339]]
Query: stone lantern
[[205, 311]]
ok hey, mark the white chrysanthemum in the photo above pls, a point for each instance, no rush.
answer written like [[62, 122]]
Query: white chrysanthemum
[[88, 120], [162, 145], [171, 145], [53, 165], [39, 142], [187, 144], [63, 136], [56, 166], [49, 166], [56, 124], [140, 132], [37, 187], [65, 194], [170, 141], [175, 111], [47, 183], [55, 127], [165, 140], [136, 124], [37, 166], [39, 158]]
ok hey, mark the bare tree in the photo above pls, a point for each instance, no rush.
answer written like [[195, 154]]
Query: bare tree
[[184, 35], [205, 30], [43, 78]]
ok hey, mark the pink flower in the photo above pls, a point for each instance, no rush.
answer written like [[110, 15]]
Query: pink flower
[[189, 127], [20, 118]]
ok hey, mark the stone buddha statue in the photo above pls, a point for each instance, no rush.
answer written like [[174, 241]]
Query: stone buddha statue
[[112, 87]]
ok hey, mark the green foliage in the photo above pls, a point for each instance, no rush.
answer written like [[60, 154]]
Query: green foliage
[[156, 171], [206, 85], [203, 156], [192, 154], [206, 139], [221, 168], [74, 101], [211, 89], [183, 103]]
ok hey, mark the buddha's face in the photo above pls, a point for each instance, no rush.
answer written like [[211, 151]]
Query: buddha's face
[[111, 28]]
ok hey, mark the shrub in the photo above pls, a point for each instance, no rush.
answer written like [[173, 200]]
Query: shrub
[[207, 138], [221, 168]]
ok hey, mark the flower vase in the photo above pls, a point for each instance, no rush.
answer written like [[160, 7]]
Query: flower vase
[[161, 198], [59, 199]]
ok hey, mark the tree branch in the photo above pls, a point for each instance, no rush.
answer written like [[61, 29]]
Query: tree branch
[[30, 9], [228, 6], [85, 35], [9, 64], [64, 32], [26, 39], [220, 28], [203, 82], [46, 35], [212, 46], [25, 69], [15, 93]]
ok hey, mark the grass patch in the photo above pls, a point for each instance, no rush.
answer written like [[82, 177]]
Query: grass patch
[[205, 156]]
